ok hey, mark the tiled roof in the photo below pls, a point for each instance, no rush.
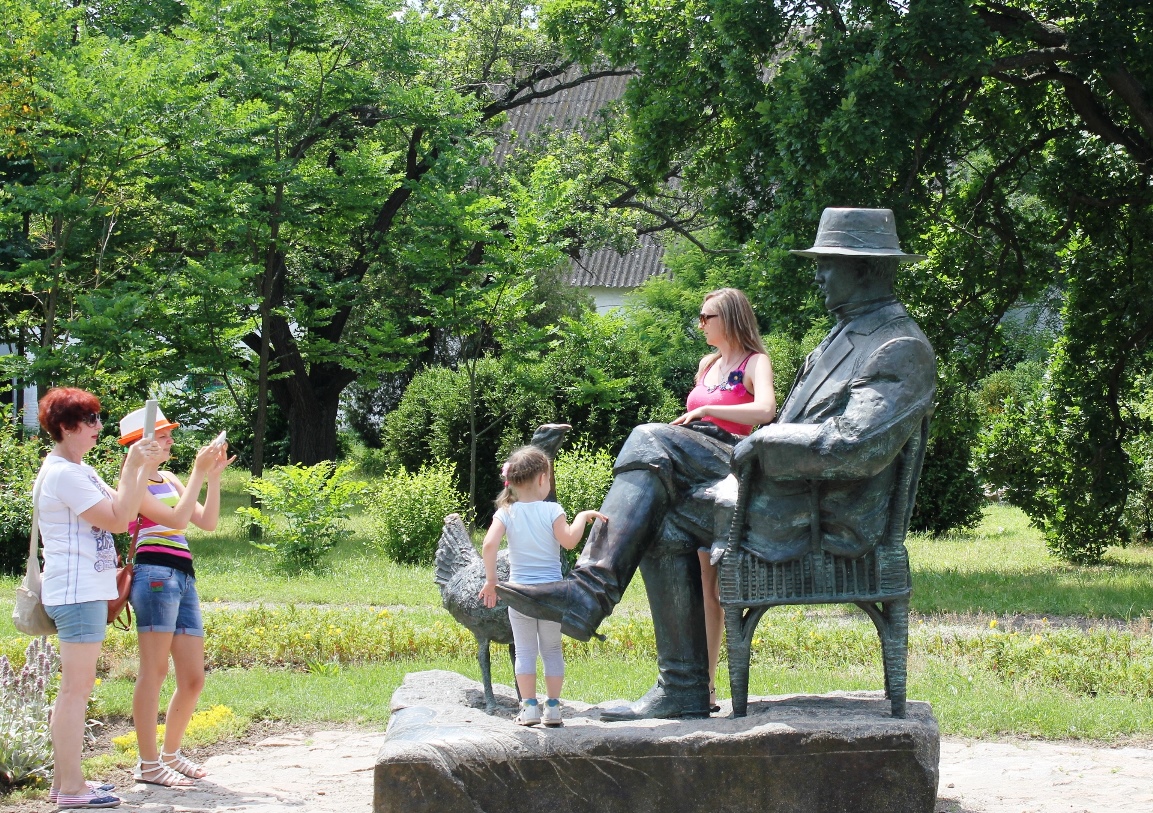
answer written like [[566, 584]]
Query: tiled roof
[[607, 269], [575, 109], [569, 109]]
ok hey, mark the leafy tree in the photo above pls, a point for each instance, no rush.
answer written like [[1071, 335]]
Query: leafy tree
[[1013, 139], [270, 192]]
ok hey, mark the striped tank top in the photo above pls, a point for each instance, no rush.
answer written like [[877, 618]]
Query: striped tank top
[[158, 544]]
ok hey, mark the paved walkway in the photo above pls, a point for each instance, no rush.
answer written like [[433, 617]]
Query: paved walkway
[[331, 772]]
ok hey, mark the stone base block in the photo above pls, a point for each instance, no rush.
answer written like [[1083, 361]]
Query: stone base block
[[837, 753]]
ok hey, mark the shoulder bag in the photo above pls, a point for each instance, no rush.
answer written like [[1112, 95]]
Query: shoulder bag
[[29, 616], [119, 611]]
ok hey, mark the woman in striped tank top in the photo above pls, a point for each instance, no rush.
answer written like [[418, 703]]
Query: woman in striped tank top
[[168, 620]]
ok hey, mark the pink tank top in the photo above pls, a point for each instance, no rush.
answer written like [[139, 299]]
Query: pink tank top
[[730, 392]]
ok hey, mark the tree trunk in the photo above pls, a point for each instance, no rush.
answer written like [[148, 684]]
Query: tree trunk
[[311, 422]]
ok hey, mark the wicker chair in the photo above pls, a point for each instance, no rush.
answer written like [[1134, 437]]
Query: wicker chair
[[878, 582]]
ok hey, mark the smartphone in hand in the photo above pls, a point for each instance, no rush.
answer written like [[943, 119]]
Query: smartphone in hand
[[220, 440]]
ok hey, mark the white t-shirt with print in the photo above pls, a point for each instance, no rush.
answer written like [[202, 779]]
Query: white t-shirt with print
[[533, 549], [79, 558]]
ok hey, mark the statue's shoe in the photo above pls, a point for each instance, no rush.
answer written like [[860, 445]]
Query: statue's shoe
[[658, 704], [565, 601]]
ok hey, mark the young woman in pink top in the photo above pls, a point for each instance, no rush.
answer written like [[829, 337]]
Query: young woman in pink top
[[734, 391]]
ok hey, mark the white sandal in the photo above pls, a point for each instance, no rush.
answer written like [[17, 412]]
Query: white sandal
[[155, 772], [182, 764]]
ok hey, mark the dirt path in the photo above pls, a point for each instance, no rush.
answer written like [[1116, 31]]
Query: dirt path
[[331, 772]]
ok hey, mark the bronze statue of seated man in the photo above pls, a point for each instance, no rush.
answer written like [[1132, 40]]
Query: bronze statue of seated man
[[827, 463]]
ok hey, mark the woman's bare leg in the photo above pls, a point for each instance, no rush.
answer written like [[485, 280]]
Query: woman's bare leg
[[154, 651], [714, 618], [77, 677], [188, 660]]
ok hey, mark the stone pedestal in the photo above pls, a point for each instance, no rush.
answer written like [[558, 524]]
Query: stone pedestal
[[838, 753]]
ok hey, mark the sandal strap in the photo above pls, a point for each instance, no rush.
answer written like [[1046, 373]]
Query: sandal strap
[[158, 773], [181, 764]]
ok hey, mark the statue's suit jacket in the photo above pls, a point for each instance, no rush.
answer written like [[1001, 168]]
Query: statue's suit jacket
[[835, 447]]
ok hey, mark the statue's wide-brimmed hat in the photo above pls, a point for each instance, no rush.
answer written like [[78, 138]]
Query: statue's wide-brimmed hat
[[858, 233]]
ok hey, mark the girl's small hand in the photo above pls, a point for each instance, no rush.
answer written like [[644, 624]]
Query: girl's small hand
[[488, 595], [206, 458], [692, 415], [591, 516], [217, 458]]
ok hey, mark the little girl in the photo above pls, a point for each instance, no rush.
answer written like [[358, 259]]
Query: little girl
[[536, 532]]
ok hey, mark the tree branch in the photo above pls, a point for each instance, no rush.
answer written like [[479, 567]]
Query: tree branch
[[1133, 93], [1015, 21], [830, 8], [1093, 114], [512, 99], [1029, 59]]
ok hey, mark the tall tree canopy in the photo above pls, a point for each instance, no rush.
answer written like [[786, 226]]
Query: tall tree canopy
[[1013, 139], [287, 191]]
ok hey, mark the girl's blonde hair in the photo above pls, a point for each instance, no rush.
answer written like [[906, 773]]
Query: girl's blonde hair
[[738, 322], [522, 466]]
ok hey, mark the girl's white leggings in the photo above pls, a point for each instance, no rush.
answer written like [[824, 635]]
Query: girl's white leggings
[[532, 636]]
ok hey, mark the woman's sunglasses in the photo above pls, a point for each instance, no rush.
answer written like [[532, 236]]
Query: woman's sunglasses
[[92, 419]]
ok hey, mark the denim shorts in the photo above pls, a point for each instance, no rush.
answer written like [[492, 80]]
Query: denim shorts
[[165, 600], [82, 623]]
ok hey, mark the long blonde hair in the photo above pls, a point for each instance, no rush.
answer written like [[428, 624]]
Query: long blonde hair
[[522, 466], [738, 322]]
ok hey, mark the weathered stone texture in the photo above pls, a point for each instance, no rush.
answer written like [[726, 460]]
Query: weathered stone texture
[[839, 753]]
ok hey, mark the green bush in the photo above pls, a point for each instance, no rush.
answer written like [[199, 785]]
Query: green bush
[[19, 462], [303, 510], [408, 511], [949, 496], [1013, 435], [604, 381], [583, 477], [431, 424]]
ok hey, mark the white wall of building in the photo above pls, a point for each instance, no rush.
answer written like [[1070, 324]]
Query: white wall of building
[[30, 419], [607, 299]]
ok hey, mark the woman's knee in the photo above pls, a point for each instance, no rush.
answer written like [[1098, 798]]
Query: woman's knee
[[190, 681]]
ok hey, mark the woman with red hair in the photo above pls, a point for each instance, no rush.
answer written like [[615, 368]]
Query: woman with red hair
[[78, 513]]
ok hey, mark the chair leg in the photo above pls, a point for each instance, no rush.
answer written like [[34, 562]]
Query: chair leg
[[896, 653], [892, 622], [739, 627]]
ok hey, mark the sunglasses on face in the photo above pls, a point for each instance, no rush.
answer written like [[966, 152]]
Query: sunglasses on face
[[705, 317], [92, 419]]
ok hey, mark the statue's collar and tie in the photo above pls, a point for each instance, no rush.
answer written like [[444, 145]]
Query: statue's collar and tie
[[855, 310]]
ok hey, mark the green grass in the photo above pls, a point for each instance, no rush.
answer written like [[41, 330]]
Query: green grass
[[1003, 567]]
